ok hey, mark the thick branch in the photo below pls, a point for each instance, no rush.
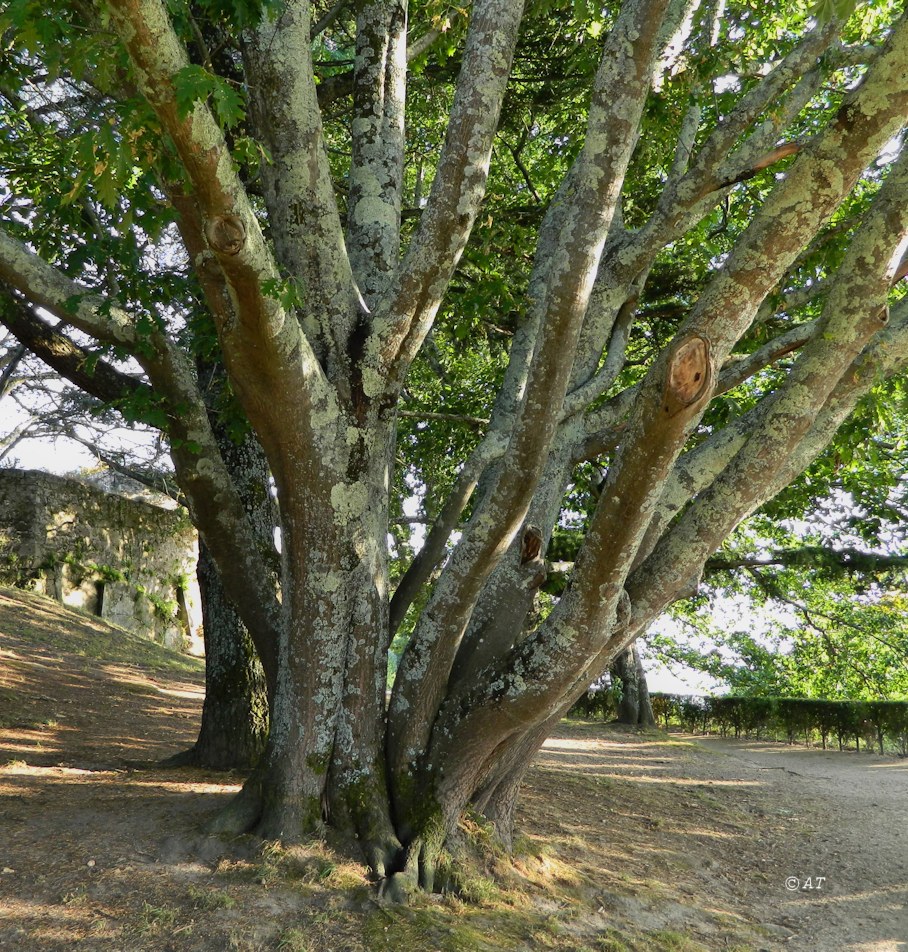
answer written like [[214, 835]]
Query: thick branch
[[846, 560], [433, 550], [217, 510], [73, 303], [694, 188], [457, 190], [305, 222], [724, 497], [377, 165], [796, 209], [232, 229], [568, 257], [97, 377]]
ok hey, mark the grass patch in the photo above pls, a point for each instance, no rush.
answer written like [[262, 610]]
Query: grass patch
[[44, 623], [295, 940], [156, 918], [208, 899]]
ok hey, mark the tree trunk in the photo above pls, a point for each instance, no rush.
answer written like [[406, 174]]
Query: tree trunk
[[324, 760], [234, 725], [635, 707], [646, 716], [235, 714]]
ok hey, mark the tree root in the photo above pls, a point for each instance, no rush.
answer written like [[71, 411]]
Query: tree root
[[183, 758], [415, 873], [242, 813]]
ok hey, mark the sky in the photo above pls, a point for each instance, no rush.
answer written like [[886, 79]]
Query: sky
[[59, 456]]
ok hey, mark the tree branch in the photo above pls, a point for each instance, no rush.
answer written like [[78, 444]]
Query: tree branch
[[216, 508], [232, 229], [377, 163], [453, 417], [694, 189], [77, 364], [708, 476], [73, 303], [845, 561], [13, 359], [306, 228], [457, 190], [567, 260]]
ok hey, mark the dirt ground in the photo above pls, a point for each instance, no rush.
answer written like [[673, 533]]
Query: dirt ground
[[630, 842]]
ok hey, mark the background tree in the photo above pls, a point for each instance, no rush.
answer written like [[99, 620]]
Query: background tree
[[104, 412], [699, 278], [635, 706]]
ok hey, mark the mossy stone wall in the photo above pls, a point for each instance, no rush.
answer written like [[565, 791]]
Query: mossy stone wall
[[126, 560]]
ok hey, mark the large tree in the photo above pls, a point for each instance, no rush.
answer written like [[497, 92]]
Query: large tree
[[721, 210]]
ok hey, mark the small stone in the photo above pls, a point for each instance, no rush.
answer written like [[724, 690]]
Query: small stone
[[91, 863]]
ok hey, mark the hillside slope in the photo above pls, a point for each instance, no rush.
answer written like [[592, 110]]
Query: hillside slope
[[76, 690]]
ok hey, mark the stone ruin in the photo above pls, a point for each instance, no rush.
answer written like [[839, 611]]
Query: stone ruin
[[123, 559]]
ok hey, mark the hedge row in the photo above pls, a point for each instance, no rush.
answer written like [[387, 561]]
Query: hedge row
[[875, 723]]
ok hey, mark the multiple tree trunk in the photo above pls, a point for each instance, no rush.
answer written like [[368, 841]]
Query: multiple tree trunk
[[635, 707], [477, 690]]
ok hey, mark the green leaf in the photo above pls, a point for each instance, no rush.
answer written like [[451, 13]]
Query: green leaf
[[827, 10], [228, 104], [193, 84], [190, 85], [288, 293]]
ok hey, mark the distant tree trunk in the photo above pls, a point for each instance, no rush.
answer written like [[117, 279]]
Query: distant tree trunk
[[234, 726], [635, 707], [646, 716]]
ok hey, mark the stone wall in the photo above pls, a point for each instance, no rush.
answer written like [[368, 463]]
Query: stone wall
[[123, 559]]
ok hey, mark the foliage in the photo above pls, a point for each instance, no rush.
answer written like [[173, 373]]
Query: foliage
[[880, 723], [798, 612]]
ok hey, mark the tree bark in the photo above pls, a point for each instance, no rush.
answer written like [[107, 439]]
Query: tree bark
[[235, 713], [635, 707]]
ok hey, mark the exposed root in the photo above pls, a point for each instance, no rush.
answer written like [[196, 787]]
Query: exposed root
[[242, 813], [403, 883], [184, 758], [415, 873], [398, 888], [383, 856]]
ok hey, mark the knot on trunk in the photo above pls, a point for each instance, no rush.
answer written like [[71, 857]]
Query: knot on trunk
[[689, 375], [531, 545], [531, 556], [226, 234]]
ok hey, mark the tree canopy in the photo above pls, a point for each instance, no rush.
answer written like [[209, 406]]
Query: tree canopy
[[609, 278]]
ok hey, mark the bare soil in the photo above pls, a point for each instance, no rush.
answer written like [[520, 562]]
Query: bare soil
[[630, 842]]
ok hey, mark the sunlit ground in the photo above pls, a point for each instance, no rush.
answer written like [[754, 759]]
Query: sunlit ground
[[627, 842]]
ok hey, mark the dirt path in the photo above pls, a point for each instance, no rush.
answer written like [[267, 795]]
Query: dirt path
[[845, 869], [807, 848]]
